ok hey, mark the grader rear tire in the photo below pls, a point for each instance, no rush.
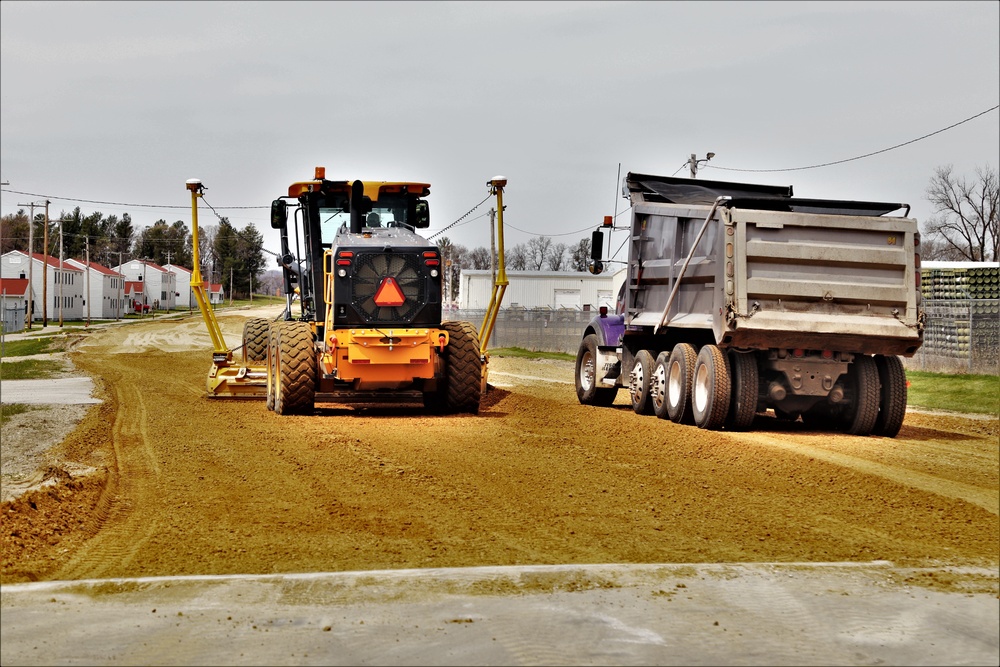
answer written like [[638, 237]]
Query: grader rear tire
[[295, 369], [463, 369], [255, 335], [272, 361]]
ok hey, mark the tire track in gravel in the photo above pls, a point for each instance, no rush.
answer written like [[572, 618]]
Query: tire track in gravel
[[988, 499], [135, 470]]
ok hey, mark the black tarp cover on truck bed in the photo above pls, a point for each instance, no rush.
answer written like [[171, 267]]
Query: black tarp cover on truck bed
[[669, 190]]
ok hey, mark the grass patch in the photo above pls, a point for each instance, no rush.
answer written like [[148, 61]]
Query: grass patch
[[29, 346], [521, 353], [8, 410], [959, 393], [30, 369]]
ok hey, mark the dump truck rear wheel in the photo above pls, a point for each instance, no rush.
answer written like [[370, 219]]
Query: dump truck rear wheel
[[587, 390], [892, 400], [255, 335], [295, 370], [638, 383], [680, 378], [463, 369], [743, 402], [711, 388], [863, 375], [658, 385]]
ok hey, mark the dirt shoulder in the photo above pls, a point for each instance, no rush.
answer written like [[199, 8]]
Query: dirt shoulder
[[187, 485]]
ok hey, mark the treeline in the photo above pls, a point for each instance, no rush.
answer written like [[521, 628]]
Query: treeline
[[229, 256], [538, 254]]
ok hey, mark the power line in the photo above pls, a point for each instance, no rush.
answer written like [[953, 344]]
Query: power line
[[859, 157], [124, 204]]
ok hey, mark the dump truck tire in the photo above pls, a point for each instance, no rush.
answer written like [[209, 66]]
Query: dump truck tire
[[295, 370], [463, 369], [255, 335], [892, 399], [743, 402], [711, 388], [680, 379], [658, 385], [272, 355], [638, 383], [863, 376], [587, 391]]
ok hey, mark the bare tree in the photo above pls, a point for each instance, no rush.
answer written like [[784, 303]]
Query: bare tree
[[966, 224], [538, 251], [556, 261], [479, 258], [517, 258], [580, 255]]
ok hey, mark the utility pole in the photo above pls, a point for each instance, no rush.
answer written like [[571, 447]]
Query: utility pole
[[45, 271], [694, 162], [31, 263], [121, 280], [62, 277], [88, 280]]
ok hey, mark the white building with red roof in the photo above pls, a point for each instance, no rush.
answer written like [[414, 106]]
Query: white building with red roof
[[159, 285], [185, 293], [61, 283], [135, 299], [105, 291], [13, 303]]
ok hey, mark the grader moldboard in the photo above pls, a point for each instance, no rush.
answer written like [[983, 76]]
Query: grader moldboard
[[362, 322]]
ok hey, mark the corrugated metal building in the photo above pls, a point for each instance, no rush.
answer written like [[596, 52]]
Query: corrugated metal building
[[572, 290]]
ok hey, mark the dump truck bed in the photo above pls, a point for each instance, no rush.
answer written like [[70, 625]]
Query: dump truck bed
[[768, 270]]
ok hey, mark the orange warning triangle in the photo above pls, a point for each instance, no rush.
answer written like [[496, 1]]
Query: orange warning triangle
[[389, 293]]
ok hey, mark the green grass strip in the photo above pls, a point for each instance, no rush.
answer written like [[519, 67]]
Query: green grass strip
[[30, 369], [27, 347], [8, 410], [978, 394]]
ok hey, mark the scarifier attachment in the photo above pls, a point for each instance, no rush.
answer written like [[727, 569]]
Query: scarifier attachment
[[225, 380]]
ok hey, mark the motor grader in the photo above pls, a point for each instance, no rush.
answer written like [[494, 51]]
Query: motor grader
[[362, 322]]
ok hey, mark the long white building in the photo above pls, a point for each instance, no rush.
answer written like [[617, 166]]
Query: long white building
[[63, 286], [106, 292], [572, 290], [159, 284]]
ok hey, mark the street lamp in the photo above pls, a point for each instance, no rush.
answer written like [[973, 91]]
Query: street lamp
[[694, 162]]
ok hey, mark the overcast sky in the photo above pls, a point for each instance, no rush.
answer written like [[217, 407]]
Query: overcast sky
[[124, 101]]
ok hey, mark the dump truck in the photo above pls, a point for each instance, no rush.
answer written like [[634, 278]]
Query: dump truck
[[362, 322], [741, 298]]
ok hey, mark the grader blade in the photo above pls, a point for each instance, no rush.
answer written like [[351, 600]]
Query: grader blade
[[237, 382]]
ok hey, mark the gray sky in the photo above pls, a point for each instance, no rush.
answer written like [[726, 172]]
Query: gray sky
[[124, 101]]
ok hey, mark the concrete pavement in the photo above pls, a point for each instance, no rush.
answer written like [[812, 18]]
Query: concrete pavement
[[760, 614]]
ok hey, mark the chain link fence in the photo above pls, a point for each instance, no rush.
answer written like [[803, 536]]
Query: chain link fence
[[536, 329], [960, 336]]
